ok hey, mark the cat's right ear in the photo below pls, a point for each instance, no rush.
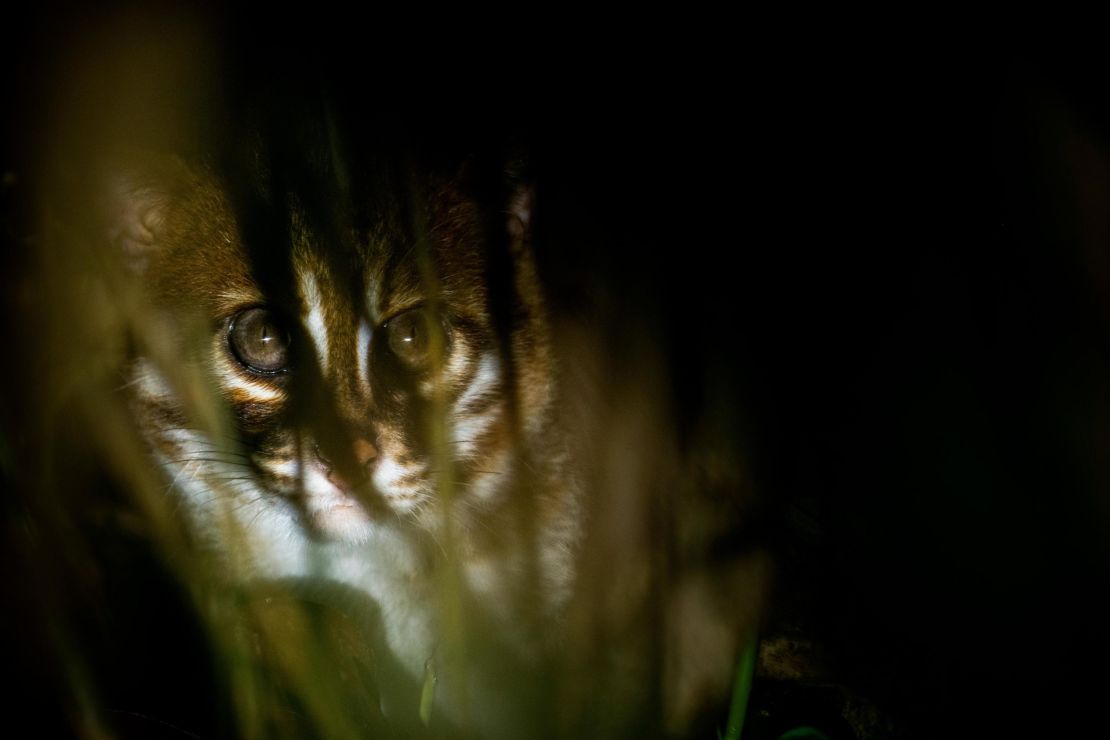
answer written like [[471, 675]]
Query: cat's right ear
[[135, 201]]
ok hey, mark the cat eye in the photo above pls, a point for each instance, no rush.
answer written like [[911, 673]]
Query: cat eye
[[259, 342], [410, 338]]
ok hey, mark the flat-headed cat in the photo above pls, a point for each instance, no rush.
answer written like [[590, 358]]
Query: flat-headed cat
[[345, 363], [365, 365], [351, 382]]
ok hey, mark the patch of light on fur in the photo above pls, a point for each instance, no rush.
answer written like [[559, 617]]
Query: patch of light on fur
[[387, 478], [150, 381], [469, 428], [484, 381], [467, 431], [238, 297], [458, 361], [385, 566], [363, 351], [314, 322], [289, 468], [317, 484], [256, 531], [194, 445], [373, 299], [483, 577], [488, 484]]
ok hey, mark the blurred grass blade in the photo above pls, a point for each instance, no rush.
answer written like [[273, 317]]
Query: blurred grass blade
[[742, 689], [803, 733], [428, 693]]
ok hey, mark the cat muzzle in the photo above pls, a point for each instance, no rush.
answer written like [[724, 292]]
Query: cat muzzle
[[354, 476]]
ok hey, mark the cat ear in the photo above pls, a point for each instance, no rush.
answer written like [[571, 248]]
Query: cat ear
[[519, 223], [136, 213], [136, 199], [520, 211], [521, 201]]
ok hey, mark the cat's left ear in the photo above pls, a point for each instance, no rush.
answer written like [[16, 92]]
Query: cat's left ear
[[521, 202], [519, 225]]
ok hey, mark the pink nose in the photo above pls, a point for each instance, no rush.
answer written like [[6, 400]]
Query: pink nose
[[363, 452]]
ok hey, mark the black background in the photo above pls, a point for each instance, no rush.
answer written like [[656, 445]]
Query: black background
[[898, 251]]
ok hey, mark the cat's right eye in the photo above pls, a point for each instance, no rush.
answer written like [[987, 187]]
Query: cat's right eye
[[259, 342]]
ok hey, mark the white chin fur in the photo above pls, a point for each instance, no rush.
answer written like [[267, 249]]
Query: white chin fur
[[344, 523], [334, 514]]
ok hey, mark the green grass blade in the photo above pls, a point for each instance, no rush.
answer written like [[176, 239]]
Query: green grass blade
[[804, 733], [742, 689]]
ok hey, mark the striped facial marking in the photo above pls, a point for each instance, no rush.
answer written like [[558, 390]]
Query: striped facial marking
[[314, 321]]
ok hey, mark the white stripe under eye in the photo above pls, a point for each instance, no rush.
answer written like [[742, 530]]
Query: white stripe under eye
[[317, 329], [231, 378]]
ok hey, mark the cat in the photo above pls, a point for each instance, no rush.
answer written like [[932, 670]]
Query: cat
[[324, 380], [347, 360]]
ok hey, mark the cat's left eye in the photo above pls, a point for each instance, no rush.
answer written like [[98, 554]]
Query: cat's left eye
[[259, 342], [412, 338]]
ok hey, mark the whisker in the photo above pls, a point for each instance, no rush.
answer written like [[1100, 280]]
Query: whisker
[[192, 458]]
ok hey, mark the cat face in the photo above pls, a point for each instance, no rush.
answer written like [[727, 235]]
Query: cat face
[[346, 379]]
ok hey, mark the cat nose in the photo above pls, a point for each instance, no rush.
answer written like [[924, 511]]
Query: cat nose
[[363, 453]]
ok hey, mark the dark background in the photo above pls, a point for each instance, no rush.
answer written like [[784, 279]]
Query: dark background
[[899, 253]]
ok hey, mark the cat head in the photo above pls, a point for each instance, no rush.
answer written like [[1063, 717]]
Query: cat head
[[324, 362]]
